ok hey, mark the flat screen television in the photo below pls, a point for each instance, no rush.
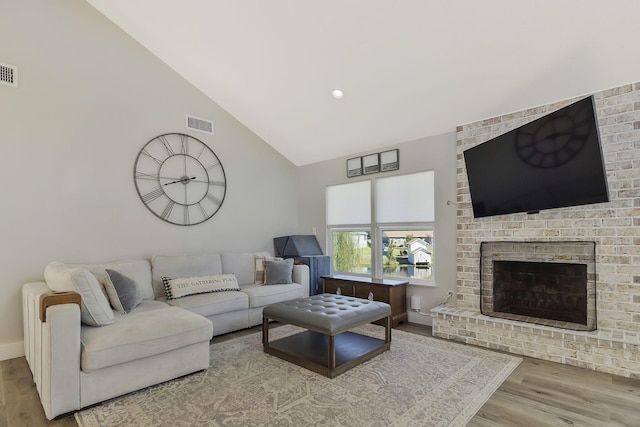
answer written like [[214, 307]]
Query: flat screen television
[[552, 162]]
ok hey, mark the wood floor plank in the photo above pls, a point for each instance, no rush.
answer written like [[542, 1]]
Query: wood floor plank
[[15, 368], [511, 410], [482, 422], [586, 396], [3, 416], [28, 412], [2, 398], [542, 391]]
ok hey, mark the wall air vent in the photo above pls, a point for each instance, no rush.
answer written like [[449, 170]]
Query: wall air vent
[[201, 125], [8, 75]]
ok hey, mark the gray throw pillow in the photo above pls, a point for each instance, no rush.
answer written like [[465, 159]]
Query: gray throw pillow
[[278, 272], [124, 293]]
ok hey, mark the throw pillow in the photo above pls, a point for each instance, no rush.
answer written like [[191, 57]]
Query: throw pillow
[[278, 272], [94, 308], [182, 287], [260, 259], [123, 291]]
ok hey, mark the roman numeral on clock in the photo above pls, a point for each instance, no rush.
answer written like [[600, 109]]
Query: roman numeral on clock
[[167, 210], [165, 142], [152, 195], [146, 153], [149, 176], [184, 144], [214, 199]]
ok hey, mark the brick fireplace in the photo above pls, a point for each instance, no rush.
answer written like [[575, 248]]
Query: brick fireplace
[[612, 295]]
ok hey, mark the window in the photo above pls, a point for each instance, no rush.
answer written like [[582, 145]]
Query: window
[[387, 232], [349, 220], [404, 212]]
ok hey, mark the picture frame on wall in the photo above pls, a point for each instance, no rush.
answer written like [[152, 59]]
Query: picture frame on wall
[[354, 167], [390, 160], [370, 163]]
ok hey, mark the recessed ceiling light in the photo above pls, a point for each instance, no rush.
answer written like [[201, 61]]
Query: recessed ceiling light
[[337, 94]]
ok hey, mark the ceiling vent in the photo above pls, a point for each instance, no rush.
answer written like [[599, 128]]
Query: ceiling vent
[[201, 125], [8, 75]]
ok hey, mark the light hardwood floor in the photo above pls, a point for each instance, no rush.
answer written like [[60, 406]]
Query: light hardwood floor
[[537, 394]]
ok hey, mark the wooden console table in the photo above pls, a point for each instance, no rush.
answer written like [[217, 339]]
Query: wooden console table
[[393, 292]]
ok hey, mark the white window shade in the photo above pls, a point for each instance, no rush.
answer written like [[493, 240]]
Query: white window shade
[[349, 203], [405, 198]]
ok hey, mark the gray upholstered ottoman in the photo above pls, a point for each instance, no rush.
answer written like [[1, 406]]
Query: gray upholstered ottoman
[[327, 346]]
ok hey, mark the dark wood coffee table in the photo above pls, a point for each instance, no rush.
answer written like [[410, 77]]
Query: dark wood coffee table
[[327, 347]]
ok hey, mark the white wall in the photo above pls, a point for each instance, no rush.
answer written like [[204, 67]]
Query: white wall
[[436, 153], [89, 98]]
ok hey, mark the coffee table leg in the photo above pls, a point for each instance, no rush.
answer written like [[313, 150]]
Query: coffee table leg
[[332, 353], [387, 332], [265, 333]]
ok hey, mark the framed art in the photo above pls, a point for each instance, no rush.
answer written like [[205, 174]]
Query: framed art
[[371, 163], [389, 160], [354, 167]]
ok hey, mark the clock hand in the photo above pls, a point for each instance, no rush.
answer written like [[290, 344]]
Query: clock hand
[[183, 180]]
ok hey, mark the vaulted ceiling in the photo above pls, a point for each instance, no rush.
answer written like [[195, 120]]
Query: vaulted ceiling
[[408, 69]]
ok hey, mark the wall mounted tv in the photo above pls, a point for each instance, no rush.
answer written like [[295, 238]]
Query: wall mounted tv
[[555, 161]]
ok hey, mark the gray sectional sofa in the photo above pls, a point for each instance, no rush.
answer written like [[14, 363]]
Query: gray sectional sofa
[[77, 363]]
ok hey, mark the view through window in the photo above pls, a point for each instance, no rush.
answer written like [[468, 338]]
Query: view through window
[[407, 253], [352, 251]]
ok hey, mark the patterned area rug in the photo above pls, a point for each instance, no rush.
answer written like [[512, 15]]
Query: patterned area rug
[[421, 381]]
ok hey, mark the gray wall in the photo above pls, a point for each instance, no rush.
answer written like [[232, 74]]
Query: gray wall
[[436, 153], [89, 98]]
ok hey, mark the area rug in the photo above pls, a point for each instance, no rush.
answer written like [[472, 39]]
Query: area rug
[[421, 381]]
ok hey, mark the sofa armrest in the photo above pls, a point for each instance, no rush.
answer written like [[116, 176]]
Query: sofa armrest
[[56, 298], [300, 275], [52, 348]]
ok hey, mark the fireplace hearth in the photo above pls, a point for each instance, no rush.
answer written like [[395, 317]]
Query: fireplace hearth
[[548, 283]]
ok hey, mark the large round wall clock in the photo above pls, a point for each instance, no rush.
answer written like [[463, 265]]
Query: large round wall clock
[[180, 179]]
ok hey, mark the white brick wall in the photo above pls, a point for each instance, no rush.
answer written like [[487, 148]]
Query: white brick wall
[[614, 226]]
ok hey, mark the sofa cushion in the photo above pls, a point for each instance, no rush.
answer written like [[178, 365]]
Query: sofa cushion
[[183, 266], [124, 292], [94, 308], [175, 288], [141, 333], [214, 303], [278, 272], [259, 295], [242, 264]]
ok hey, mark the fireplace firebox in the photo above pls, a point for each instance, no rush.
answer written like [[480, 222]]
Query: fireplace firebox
[[549, 283]]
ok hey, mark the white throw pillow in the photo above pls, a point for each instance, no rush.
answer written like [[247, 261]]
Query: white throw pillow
[[182, 287], [95, 309]]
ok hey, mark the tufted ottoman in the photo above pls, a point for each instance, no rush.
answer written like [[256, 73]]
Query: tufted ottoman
[[327, 347]]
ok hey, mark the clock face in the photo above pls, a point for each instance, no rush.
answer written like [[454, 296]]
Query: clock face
[[180, 179]]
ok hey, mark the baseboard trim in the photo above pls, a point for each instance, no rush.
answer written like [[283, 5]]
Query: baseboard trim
[[11, 350]]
